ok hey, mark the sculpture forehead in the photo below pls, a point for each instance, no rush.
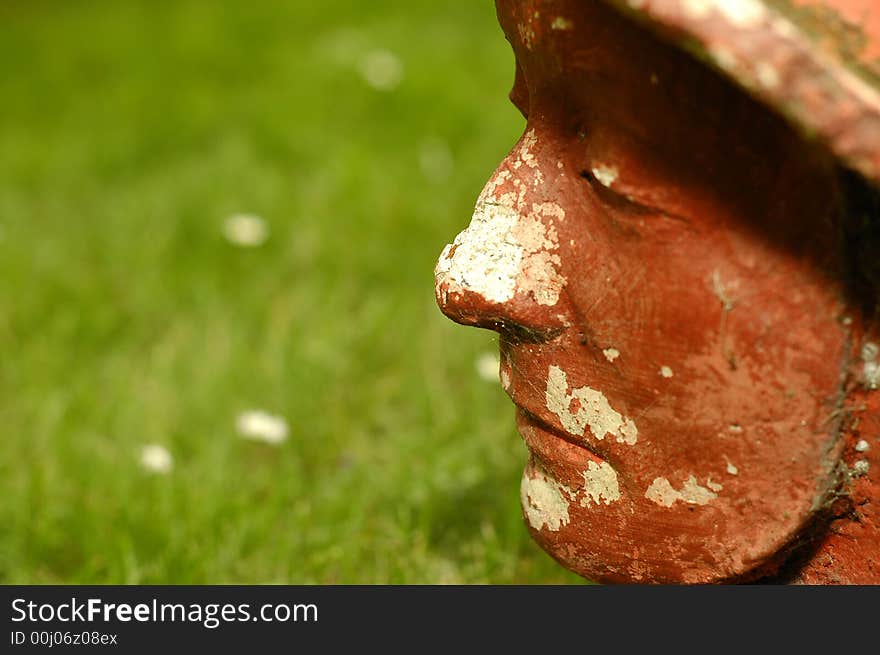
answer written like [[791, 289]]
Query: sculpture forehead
[[815, 61]]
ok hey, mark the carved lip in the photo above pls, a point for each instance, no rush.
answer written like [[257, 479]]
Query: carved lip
[[552, 444]]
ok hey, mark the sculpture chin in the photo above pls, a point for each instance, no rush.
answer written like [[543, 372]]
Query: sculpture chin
[[595, 518]]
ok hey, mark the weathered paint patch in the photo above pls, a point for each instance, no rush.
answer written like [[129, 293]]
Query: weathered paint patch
[[549, 209], [767, 75], [527, 35], [697, 8], [484, 259], [870, 369], [600, 484], [860, 468], [543, 501], [510, 245], [606, 175], [665, 495], [529, 140], [723, 57], [561, 23], [611, 354], [586, 408], [741, 13], [505, 377]]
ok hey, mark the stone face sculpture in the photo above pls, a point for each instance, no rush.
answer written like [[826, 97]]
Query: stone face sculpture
[[681, 257]]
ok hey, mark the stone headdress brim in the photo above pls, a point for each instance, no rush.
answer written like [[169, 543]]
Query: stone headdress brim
[[816, 61]]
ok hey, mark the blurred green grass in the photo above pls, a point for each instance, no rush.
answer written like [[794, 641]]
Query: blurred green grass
[[128, 133]]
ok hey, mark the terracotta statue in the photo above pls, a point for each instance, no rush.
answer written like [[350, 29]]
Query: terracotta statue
[[681, 256]]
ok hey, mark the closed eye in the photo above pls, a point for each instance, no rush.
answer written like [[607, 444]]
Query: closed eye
[[614, 199], [623, 203]]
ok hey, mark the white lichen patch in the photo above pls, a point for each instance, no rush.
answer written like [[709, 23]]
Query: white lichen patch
[[665, 495], [694, 494], [611, 354], [561, 23], [543, 500], [505, 378], [767, 75], [731, 469], [526, 35], [697, 8], [606, 175], [549, 209], [741, 13], [666, 372], [531, 233], [860, 468], [483, 259], [722, 291], [872, 375], [870, 368], [723, 57], [862, 446], [600, 485], [584, 408], [662, 493], [528, 141], [783, 28], [714, 486], [510, 245], [540, 279]]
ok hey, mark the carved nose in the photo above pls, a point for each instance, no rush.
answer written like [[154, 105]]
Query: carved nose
[[502, 271]]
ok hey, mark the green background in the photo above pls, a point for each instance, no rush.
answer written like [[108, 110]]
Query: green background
[[129, 132]]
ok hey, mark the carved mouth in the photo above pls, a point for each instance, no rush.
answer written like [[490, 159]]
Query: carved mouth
[[565, 471], [551, 444]]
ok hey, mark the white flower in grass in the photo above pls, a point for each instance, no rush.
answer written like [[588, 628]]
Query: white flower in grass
[[245, 230], [487, 366], [258, 425], [382, 70], [156, 459]]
